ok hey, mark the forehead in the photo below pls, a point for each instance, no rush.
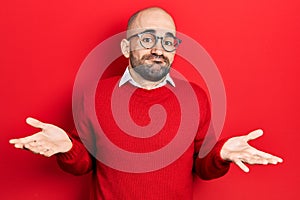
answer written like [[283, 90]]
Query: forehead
[[155, 31], [159, 21]]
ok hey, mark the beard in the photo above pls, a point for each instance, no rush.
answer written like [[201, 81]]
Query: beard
[[153, 72]]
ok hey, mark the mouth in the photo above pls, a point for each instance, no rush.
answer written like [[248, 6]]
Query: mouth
[[157, 62], [157, 59]]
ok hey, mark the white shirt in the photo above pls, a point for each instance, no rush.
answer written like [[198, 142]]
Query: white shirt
[[128, 78]]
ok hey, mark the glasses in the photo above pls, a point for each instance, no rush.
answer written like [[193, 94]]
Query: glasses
[[148, 40]]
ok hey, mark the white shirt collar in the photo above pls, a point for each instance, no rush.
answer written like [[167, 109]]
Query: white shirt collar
[[128, 78]]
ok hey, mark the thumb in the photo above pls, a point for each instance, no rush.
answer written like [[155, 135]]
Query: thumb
[[254, 134], [35, 123]]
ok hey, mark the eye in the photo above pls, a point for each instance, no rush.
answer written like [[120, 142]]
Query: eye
[[147, 39], [168, 43]]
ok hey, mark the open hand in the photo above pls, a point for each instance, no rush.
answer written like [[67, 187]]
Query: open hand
[[49, 141], [238, 150]]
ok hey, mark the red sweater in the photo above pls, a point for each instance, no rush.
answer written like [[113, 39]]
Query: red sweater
[[174, 181]]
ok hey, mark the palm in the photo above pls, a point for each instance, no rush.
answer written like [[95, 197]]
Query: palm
[[238, 150], [49, 141]]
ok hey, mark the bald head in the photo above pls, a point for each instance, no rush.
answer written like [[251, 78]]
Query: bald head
[[153, 17], [149, 60]]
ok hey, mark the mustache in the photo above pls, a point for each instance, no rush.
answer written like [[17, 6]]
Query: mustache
[[150, 57]]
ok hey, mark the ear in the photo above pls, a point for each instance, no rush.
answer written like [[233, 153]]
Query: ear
[[125, 48]]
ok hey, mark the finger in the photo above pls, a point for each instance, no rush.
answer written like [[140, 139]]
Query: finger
[[35, 123], [32, 145], [14, 141], [270, 157], [274, 160], [254, 134], [21, 141], [45, 151], [48, 153], [266, 156], [241, 165], [19, 146], [34, 149], [28, 148], [28, 139], [278, 159], [254, 161]]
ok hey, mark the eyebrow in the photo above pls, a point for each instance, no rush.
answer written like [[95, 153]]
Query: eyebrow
[[154, 31], [169, 34]]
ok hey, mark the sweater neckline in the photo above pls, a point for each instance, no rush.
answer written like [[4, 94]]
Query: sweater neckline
[[156, 92]]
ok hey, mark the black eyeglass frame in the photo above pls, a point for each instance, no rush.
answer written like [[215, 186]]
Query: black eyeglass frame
[[139, 35]]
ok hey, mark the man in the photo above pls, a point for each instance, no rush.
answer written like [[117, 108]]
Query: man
[[150, 46]]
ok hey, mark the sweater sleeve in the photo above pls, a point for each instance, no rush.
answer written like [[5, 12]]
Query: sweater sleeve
[[208, 165], [212, 165], [77, 160]]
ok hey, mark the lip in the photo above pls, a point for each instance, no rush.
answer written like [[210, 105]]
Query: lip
[[159, 60]]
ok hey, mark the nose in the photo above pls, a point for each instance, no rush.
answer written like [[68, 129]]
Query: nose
[[157, 49]]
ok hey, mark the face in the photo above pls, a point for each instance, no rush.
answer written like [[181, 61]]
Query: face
[[151, 64]]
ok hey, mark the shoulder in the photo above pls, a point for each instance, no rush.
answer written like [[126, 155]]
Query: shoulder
[[106, 86], [182, 85], [109, 82]]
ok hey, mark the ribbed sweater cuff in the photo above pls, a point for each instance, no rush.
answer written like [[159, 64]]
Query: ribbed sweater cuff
[[219, 162], [73, 153]]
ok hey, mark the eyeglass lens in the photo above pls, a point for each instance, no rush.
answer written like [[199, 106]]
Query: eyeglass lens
[[148, 41]]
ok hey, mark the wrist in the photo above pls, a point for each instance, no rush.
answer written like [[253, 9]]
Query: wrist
[[224, 153]]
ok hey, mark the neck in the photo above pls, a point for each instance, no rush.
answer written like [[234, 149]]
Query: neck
[[148, 85]]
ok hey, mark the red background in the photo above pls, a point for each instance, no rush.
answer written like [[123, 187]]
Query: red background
[[255, 45]]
